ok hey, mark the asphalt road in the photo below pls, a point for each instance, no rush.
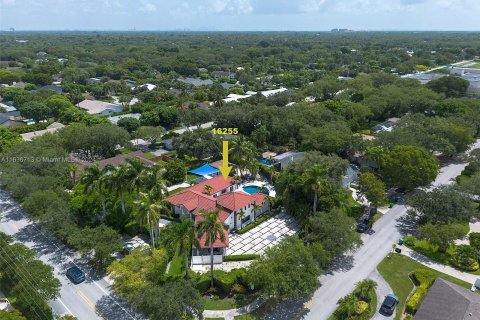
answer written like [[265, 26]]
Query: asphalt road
[[90, 300]]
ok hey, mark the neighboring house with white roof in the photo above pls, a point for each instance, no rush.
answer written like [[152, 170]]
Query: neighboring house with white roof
[[97, 107], [54, 127], [196, 82], [283, 159], [148, 86]]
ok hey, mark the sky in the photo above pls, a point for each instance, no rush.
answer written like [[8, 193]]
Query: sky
[[240, 15]]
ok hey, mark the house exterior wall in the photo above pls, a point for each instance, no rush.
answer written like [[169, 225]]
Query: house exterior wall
[[229, 189]]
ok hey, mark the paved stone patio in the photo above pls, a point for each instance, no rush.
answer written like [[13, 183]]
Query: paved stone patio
[[266, 234]]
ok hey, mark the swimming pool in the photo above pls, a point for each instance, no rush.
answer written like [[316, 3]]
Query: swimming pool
[[265, 161], [254, 189]]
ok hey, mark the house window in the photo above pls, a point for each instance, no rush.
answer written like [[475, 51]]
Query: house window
[[246, 219]]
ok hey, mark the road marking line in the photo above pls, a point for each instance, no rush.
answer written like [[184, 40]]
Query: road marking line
[[84, 298], [309, 304], [63, 304]]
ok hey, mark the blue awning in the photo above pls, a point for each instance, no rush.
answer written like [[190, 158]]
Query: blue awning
[[204, 170]]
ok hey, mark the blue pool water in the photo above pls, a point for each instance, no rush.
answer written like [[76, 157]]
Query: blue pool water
[[265, 162], [253, 189]]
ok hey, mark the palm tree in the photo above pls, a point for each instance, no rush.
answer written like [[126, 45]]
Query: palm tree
[[314, 179], [237, 179], [155, 180], [138, 174], [149, 210], [346, 306], [208, 189], [242, 215], [242, 152], [94, 180], [213, 229], [256, 208], [118, 182], [364, 287], [184, 233]]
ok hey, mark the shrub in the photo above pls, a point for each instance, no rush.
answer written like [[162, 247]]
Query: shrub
[[423, 277], [415, 299], [241, 257], [409, 241], [132, 228], [238, 289], [474, 238], [202, 282], [360, 307], [224, 281], [465, 257]]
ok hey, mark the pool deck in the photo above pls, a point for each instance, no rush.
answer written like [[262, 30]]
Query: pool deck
[[257, 183]]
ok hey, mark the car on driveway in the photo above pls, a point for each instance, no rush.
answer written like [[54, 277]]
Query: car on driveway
[[389, 304], [75, 275], [364, 225]]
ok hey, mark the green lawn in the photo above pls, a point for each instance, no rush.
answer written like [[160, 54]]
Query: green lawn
[[395, 271], [177, 266], [219, 304], [229, 303], [191, 177], [177, 190], [476, 65]]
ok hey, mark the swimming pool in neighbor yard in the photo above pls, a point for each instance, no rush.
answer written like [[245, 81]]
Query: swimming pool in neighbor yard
[[254, 186]]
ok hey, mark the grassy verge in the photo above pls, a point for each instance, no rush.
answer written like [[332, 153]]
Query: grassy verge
[[227, 303], [241, 257], [177, 266], [396, 270], [177, 190]]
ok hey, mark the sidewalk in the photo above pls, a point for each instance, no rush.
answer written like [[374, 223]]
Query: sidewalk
[[230, 314], [467, 277]]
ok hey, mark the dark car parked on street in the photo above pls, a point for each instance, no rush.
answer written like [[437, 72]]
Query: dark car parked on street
[[364, 225], [75, 274], [389, 304]]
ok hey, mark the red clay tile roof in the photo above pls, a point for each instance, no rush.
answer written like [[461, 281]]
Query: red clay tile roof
[[259, 197], [121, 158], [193, 200], [218, 183], [235, 200], [218, 243]]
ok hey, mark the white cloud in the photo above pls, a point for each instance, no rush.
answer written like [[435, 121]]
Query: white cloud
[[147, 6]]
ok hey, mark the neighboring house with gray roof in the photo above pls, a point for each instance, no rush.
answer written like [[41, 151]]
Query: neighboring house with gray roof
[[100, 108], [196, 82], [54, 127], [448, 301], [115, 119], [11, 119], [282, 160]]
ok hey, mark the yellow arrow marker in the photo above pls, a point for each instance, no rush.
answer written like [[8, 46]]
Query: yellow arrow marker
[[225, 169]]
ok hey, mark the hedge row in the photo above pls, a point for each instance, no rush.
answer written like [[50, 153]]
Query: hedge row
[[263, 218], [223, 281], [241, 257], [423, 279]]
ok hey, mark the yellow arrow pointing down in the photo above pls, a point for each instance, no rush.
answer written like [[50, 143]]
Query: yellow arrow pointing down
[[225, 169]]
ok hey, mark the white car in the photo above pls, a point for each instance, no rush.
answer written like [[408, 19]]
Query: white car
[[5, 304], [476, 285]]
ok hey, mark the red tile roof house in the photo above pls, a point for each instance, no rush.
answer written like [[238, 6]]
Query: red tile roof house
[[236, 211]]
